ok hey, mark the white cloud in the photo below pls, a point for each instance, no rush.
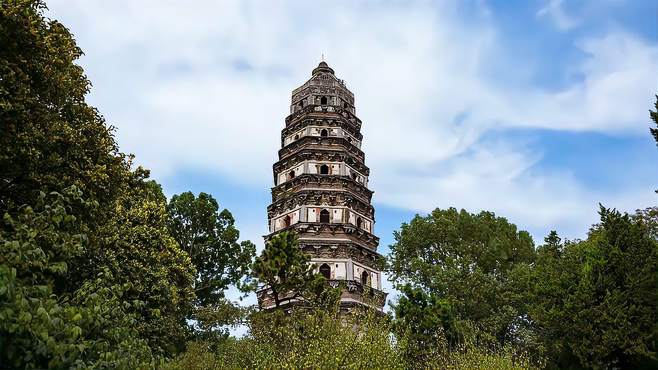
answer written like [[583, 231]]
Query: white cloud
[[554, 11], [503, 180], [618, 83], [208, 86]]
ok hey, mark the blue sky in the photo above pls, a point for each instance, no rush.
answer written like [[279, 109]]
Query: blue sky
[[537, 110]]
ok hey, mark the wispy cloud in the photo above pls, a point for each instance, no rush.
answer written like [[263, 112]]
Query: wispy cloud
[[208, 86], [555, 12]]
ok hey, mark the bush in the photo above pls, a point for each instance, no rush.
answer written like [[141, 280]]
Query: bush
[[328, 340]]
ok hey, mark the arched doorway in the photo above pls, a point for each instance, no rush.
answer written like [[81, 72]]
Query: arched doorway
[[291, 175], [324, 216], [365, 277], [359, 222], [324, 169], [324, 133], [323, 100], [325, 270], [286, 221]]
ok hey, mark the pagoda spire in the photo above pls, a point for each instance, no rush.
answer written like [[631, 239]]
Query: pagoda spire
[[321, 190]]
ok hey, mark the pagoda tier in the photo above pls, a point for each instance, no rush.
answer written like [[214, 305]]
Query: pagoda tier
[[321, 190], [310, 117]]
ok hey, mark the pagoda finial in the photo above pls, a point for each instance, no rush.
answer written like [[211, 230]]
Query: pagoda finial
[[322, 67]]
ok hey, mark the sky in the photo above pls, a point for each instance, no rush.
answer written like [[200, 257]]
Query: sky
[[536, 110]]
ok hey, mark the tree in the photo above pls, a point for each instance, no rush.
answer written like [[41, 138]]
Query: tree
[[136, 246], [210, 238], [50, 139], [648, 217], [426, 322], [595, 302], [39, 327], [128, 273], [465, 261], [284, 270]]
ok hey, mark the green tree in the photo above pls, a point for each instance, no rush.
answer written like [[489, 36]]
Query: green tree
[[285, 270], [129, 267], [40, 327], [50, 138], [648, 217], [136, 246], [465, 261], [595, 301], [426, 322], [210, 238]]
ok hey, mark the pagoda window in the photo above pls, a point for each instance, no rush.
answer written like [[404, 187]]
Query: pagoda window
[[286, 221], [323, 100], [291, 175], [325, 270], [296, 136], [359, 222], [345, 105], [355, 176], [324, 133], [324, 216], [364, 277], [324, 169]]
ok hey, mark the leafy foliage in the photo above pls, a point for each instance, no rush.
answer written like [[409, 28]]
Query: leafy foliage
[[137, 247], [326, 339], [96, 272], [595, 301], [211, 240], [39, 328], [457, 266], [648, 218], [302, 339], [573, 304], [426, 322], [284, 270], [50, 138]]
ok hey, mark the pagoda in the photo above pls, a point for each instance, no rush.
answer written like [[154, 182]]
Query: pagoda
[[321, 190]]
